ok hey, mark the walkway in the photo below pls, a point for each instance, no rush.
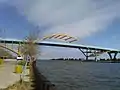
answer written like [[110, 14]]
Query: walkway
[[7, 75]]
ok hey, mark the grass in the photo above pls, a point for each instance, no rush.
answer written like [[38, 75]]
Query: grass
[[19, 86]]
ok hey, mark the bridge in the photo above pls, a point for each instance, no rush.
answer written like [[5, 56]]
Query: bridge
[[88, 51]]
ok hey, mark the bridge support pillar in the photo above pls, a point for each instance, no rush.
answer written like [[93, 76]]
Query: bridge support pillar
[[95, 58], [95, 55], [86, 57], [112, 57], [85, 54]]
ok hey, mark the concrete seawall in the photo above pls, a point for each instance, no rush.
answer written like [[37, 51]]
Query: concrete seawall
[[41, 82]]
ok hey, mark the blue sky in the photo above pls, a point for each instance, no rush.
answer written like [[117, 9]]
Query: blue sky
[[13, 24], [94, 22]]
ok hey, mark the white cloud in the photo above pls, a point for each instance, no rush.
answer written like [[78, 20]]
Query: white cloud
[[79, 18]]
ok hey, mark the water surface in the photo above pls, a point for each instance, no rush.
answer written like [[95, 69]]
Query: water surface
[[74, 75]]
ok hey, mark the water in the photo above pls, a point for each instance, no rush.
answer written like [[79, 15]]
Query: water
[[74, 75]]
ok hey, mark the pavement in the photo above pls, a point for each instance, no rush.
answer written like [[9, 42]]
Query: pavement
[[7, 75]]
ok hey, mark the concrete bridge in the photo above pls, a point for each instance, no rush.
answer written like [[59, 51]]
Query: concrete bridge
[[88, 51]]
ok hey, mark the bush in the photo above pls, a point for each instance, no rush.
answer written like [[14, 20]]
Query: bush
[[1, 61], [22, 62]]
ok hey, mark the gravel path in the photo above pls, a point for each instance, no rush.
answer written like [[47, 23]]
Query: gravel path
[[7, 75]]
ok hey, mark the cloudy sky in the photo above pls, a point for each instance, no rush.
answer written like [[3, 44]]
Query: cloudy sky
[[93, 22]]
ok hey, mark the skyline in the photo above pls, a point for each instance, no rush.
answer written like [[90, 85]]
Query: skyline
[[94, 22]]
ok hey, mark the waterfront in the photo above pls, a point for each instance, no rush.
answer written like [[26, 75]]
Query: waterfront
[[74, 75]]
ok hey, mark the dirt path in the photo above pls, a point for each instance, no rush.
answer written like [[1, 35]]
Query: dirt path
[[7, 75]]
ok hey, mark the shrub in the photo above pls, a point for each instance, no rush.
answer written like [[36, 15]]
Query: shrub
[[22, 62], [1, 61]]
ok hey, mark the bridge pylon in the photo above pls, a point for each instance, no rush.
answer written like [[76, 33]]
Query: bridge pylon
[[91, 53], [84, 53], [112, 57]]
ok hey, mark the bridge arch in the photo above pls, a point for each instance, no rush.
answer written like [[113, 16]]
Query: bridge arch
[[5, 47], [64, 37]]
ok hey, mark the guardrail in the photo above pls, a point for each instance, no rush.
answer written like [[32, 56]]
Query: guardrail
[[41, 83]]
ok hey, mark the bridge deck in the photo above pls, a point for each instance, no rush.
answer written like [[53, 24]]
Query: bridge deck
[[59, 44]]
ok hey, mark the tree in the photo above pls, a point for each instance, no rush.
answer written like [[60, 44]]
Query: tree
[[29, 48]]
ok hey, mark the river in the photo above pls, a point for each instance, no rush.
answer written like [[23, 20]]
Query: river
[[74, 75]]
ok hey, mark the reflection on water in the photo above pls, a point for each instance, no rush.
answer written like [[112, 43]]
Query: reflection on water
[[74, 75]]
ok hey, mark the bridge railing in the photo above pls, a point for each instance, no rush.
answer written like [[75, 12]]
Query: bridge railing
[[41, 82]]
